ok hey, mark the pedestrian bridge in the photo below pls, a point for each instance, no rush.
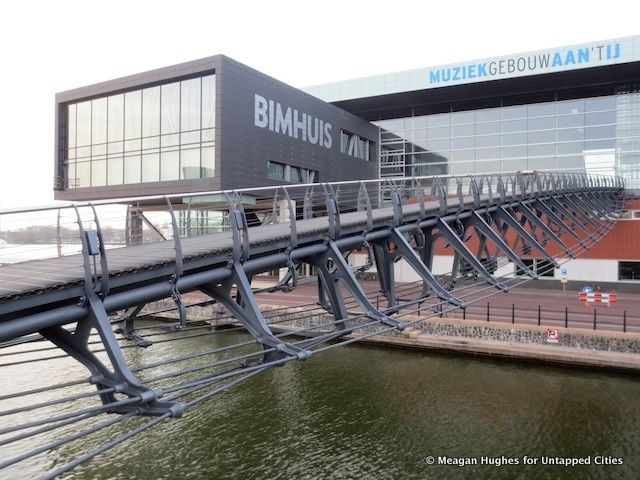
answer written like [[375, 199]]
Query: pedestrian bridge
[[76, 277]]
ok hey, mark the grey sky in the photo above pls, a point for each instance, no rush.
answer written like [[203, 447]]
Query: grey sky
[[54, 46]]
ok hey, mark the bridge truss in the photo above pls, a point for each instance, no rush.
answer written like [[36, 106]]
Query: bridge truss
[[76, 278]]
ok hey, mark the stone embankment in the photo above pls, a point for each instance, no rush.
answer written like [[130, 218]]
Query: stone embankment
[[569, 346]]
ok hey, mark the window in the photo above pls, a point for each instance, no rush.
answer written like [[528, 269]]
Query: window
[[541, 266], [355, 145], [275, 170], [295, 175], [147, 135], [629, 270], [630, 215], [289, 173]]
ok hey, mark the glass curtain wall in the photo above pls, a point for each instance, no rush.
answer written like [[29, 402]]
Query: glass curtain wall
[[594, 135], [154, 134]]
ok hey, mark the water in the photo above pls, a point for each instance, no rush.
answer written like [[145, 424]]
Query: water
[[367, 412]]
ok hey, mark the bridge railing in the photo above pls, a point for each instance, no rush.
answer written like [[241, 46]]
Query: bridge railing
[[56, 231]]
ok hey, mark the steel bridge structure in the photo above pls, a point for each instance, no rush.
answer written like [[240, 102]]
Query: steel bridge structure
[[77, 277]]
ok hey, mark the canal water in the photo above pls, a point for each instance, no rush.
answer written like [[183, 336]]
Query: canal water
[[364, 412]]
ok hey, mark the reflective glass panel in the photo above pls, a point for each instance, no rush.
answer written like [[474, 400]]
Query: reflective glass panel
[[541, 110], [488, 128], [600, 103], [151, 111], [190, 163], [133, 115], [83, 175], [151, 167], [116, 118], [99, 121], [570, 107], [488, 115], [115, 170], [98, 173], [71, 126], [170, 108], [208, 101], [190, 105], [170, 165], [132, 169]]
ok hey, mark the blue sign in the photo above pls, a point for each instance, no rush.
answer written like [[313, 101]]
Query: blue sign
[[564, 271], [587, 289]]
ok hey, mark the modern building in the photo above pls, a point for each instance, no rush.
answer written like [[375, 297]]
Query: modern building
[[574, 108], [216, 124], [205, 125]]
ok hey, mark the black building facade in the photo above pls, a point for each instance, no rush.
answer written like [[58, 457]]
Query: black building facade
[[205, 125], [216, 124]]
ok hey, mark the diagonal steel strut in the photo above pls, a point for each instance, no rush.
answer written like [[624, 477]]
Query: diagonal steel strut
[[461, 248], [507, 218], [485, 229]]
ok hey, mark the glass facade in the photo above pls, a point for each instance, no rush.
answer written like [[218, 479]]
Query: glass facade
[[595, 135], [153, 134]]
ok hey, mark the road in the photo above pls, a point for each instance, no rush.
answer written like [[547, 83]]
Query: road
[[521, 304]]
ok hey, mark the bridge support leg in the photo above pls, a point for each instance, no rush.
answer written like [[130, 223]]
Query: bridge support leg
[[553, 217], [128, 328], [405, 251], [118, 380], [527, 238], [535, 220], [486, 231], [341, 272], [460, 247], [384, 261], [248, 312]]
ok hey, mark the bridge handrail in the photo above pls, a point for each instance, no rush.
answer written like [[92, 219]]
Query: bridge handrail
[[514, 178]]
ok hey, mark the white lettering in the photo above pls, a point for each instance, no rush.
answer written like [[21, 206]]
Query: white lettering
[[289, 121], [283, 122], [311, 135], [328, 141], [260, 112], [271, 109], [299, 125]]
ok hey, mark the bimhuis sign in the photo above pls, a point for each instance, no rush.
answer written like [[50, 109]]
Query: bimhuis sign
[[534, 63], [286, 120]]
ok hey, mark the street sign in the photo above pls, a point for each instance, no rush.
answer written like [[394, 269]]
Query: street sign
[[563, 279], [553, 335], [564, 272]]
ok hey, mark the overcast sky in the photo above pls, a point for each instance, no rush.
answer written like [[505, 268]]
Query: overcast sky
[[51, 46]]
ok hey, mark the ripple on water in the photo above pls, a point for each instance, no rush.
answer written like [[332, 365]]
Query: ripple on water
[[366, 412]]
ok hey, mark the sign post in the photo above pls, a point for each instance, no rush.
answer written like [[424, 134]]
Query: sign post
[[563, 279]]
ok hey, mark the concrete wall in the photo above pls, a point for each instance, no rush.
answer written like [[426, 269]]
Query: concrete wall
[[578, 270]]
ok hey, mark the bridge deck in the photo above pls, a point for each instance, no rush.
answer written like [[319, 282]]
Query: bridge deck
[[36, 276]]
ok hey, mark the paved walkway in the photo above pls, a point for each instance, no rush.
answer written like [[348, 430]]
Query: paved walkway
[[525, 302]]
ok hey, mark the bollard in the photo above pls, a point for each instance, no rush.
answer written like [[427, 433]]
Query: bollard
[[539, 315], [513, 313], [464, 313], [487, 311], [624, 321], [594, 318], [566, 317]]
